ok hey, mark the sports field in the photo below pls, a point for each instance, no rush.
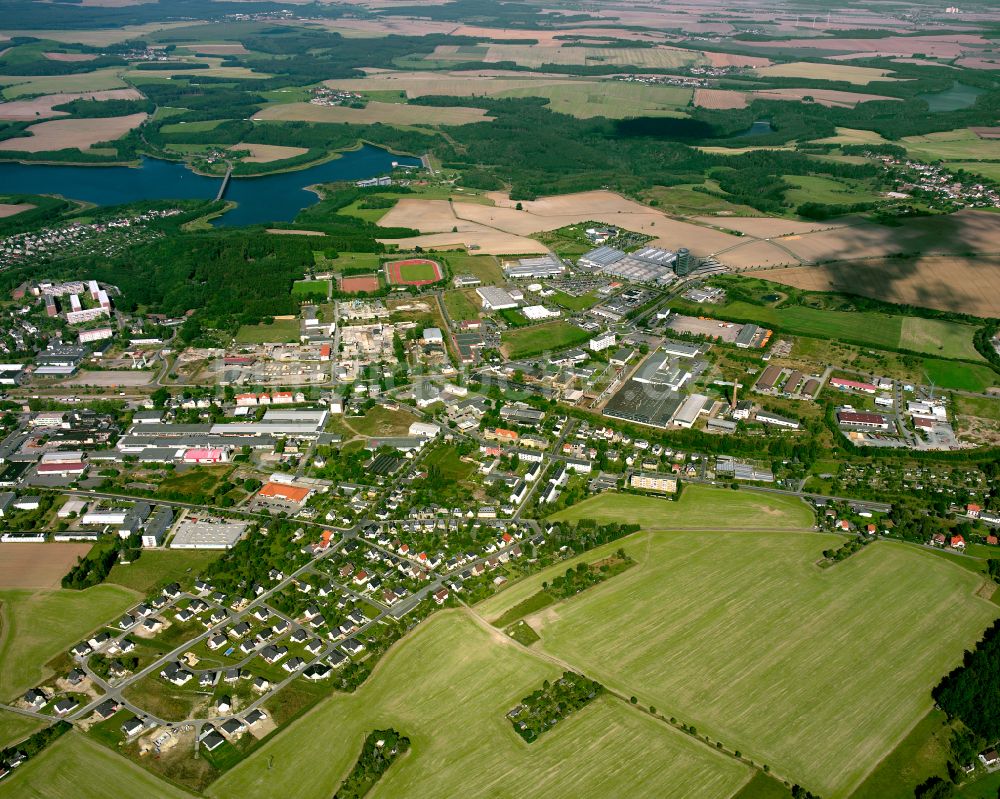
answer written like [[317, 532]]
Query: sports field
[[413, 272], [359, 284], [83, 769], [447, 686], [541, 338], [818, 673], [699, 507], [307, 287], [36, 626]]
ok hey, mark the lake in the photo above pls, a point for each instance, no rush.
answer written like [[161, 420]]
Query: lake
[[958, 96], [270, 198], [758, 128]]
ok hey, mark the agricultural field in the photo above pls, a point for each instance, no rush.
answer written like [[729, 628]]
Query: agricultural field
[[42, 107], [853, 136], [31, 85], [157, 567], [38, 626], [611, 99], [62, 134], [266, 153], [948, 339], [831, 191], [540, 338], [942, 282], [79, 767], [15, 727], [385, 113], [961, 376], [699, 507], [279, 331], [952, 145], [743, 636], [459, 84], [719, 98], [535, 55], [37, 565], [825, 71], [461, 743]]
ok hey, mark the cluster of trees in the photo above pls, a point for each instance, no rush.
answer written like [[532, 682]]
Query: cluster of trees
[[94, 568], [35, 743], [249, 562], [971, 692], [846, 550], [380, 749], [587, 574], [543, 708]]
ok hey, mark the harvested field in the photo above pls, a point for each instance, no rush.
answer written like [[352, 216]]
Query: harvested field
[[386, 113], [719, 98], [734, 60], [987, 133], [844, 72], [232, 48], [41, 107], [286, 232], [62, 134], [827, 97], [480, 224], [969, 284], [484, 242], [37, 565], [753, 254], [940, 46], [454, 84], [535, 55], [12, 209], [853, 136], [358, 284], [962, 232], [70, 57], [265, 153], [766, 227]]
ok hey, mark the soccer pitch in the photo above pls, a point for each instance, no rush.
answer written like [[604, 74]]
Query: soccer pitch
[[816, 672], [447, 686]]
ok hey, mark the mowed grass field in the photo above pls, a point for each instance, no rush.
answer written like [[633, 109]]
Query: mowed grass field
[[447, 686], [818, 673], [280, 330], [14, 728], [75, 766], [947, 339], [157, 567], [699, 507], [548, 336], [952, 145], [611, 99], [36, 626], [863, 327]]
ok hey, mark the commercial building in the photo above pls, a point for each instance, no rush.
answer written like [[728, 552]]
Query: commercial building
[[526, 268], [496, 299], [659, 370], [11, 373], [687, 414], [600, 258], [685, 262], [537, 313], [768, 378], [678, 349], [853, 385], [158, 526], [96, 334], [644, 404], [207, 534], [870, 421], [766, 417]]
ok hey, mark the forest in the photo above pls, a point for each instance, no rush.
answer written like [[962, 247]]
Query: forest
[[971, 692]]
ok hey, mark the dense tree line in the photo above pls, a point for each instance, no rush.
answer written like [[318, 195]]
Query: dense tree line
[[35, 743], [971, 692]]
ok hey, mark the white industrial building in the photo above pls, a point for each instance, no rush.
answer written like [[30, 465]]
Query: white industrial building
[[496, 299]]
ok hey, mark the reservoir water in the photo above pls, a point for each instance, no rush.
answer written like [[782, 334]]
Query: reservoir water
[[270, 198], [954, 98]]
